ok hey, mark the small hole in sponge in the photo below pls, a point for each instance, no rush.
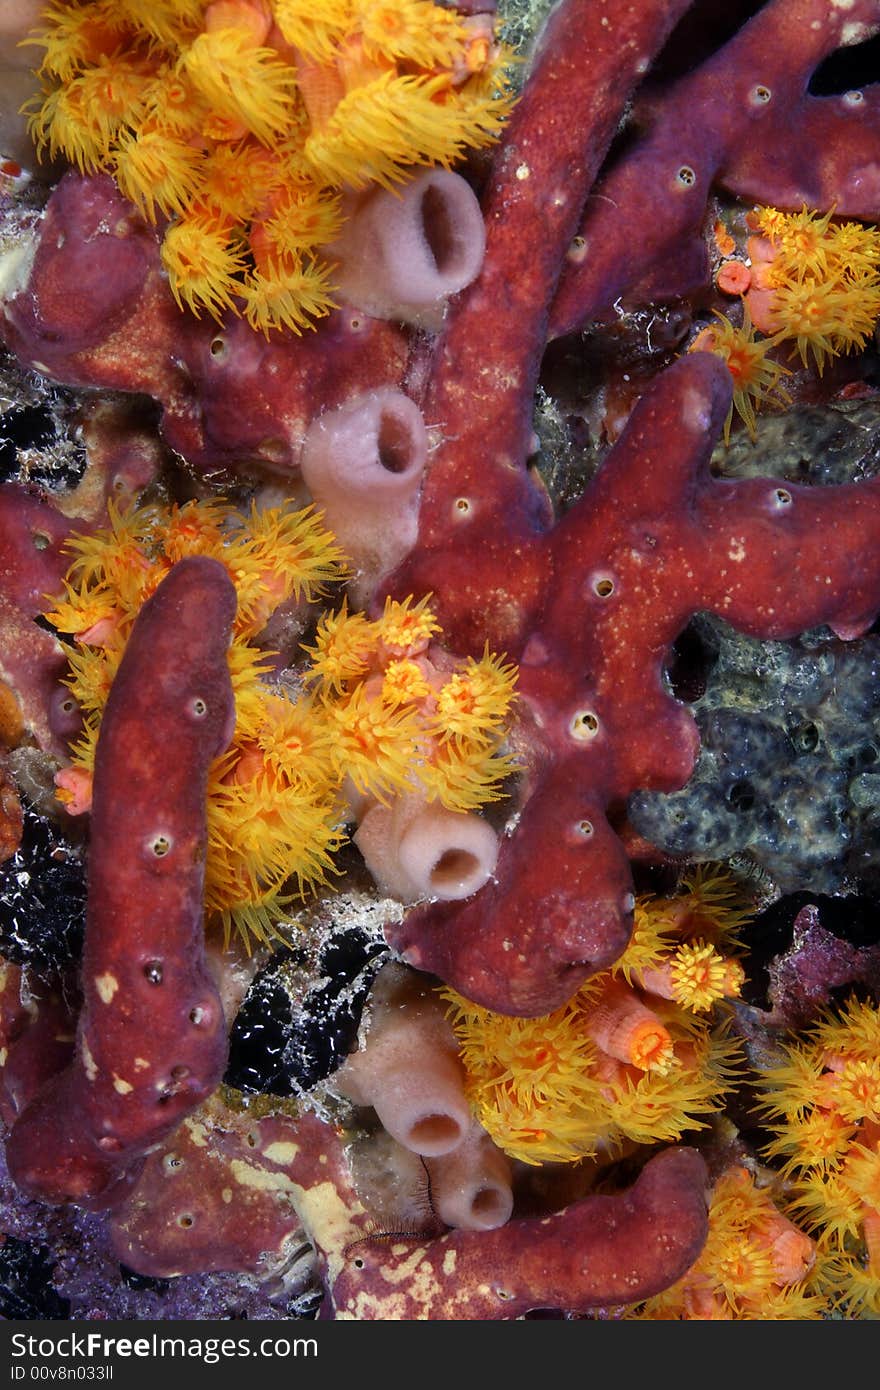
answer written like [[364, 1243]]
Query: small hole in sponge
[[584, 725]]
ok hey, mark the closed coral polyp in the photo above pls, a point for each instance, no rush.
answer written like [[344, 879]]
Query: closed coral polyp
[[621, 1025]]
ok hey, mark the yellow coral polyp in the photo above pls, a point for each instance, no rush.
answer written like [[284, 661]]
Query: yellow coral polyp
[[826, 319], [405, 628], [236, 179], [168, 21], [287, 296], [802, 237], [158, 172], [668, 954], [477, 698], [412, 31], [268, 843], [245, 83], [301, 219], [756, 376], [202, 265], [404, 683], [82, 611], [314, 27], [374, 746], [699, 976], [246, 122], [380, 132], [295, 741], [343, 648], [856, 1089], [63, 127], [297, 548], [466, 775]]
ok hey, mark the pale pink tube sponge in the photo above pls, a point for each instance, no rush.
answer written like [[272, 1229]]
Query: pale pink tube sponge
[[471, 1186], [408, 1069], [363, 464], [415, 851], [403, 253]]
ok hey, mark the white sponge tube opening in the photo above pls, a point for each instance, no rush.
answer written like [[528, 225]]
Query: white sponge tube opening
[[471, 1186], [363, 466], [375, 443], [403, 253], [419, 851]]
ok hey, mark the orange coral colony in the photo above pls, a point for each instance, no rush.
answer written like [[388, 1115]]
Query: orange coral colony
[[810, 281], [756, 1263], [822, 1103], [239, 125], [637, 1056], [815, 282], [364, 712]]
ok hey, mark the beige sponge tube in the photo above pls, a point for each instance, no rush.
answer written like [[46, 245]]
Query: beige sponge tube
[[408, 1069], [416, 850]]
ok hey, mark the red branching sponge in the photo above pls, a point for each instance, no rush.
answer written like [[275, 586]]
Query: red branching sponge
[[36, 1036], [597, 1252], [231, 1191], [218, 1195], [591, 608], [653, 540], [744, 121], [95, 310], [484, 368], [151, 1040]]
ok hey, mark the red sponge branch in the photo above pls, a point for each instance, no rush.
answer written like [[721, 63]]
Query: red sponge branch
[[485, 364], [602, 1250], [652, 541], [745, 121], [33, 663], [151, 1040]]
